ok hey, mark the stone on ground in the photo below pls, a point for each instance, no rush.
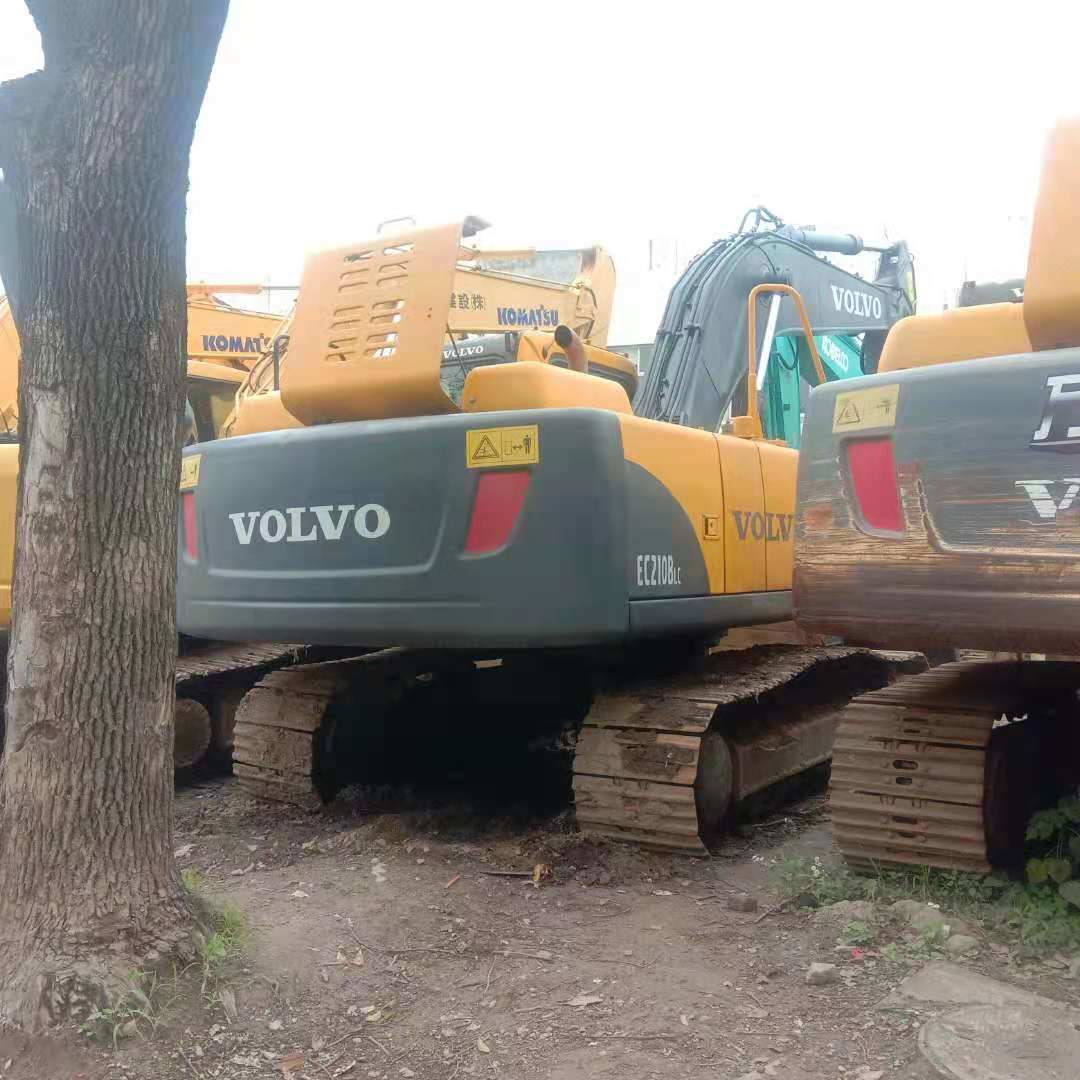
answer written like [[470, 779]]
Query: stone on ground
[[846, 911], [742, 902], [822, 974], [961, 945], [945, 983], [1003, 1042]]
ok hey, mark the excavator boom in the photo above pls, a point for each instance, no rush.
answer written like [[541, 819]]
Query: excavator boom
[[697, 365]]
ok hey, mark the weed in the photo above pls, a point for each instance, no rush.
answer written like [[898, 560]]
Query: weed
[[192, 880], [1053, 837], [1040, 917], [953, 890], [823, 883], [858, 933], [121, 1020], [225, 943]]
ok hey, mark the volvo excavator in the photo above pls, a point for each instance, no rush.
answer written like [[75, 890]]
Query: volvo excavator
[[522, 551], [231, 349], [937, 510]]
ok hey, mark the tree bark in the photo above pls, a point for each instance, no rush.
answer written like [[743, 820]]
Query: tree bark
[[95, 151]]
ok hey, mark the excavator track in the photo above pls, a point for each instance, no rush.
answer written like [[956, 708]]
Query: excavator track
[[662, 762], [929, 772], [215, 660], [211, 680], [289, 723], [659, 762]]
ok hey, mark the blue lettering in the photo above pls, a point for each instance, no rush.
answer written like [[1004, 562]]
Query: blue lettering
[[221, 343], [208, 343]]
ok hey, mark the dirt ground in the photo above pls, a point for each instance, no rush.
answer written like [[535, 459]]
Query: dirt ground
[[417, 944]]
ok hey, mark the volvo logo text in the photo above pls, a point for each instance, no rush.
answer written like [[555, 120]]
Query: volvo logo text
[[1060, 426], [856, 303], [297, 524]]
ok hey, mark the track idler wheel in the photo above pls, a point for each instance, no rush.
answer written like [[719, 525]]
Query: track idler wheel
[[714, 787], [191, 734]]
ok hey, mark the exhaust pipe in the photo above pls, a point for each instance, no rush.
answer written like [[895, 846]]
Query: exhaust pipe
[[572, 345]]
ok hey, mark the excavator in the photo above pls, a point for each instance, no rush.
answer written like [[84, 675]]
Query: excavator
[[937, 510], [231, 349], [526, 553]]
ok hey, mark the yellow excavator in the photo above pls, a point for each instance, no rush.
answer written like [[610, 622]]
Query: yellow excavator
[[524, 553], [231, 349], [224, 342], [938, 510]]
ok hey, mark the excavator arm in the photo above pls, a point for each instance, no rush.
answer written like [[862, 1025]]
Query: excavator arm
[[698, 365]]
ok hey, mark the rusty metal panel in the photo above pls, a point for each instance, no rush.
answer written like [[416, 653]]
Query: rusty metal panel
[[990, 552]]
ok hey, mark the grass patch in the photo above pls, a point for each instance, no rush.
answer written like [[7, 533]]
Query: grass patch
[[817, 883], [194, 881], [225, 944], [858, 933], [139, 1008], [142, 1003], [821, 883], [1036, 916]]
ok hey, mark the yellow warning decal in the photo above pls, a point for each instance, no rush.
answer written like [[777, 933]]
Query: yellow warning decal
[[189, 472], [857, 410], [489, 447]]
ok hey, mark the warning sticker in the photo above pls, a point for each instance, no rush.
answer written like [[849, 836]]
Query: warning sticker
[[189, 472], [858, 410], [489, 447]]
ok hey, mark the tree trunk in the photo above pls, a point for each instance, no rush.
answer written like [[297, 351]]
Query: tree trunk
[[95, 152]]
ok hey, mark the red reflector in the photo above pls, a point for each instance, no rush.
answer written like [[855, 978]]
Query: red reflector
[[499, 499], [191, 524], [873, 477]]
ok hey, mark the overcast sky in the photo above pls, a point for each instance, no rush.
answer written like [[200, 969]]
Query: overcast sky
[[567, 124]]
